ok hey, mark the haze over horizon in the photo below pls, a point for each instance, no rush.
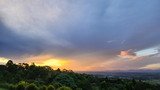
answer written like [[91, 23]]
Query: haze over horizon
[[82, 35]]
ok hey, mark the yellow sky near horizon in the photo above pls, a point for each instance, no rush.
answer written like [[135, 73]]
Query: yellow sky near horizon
[[3, 60], [79, 64]]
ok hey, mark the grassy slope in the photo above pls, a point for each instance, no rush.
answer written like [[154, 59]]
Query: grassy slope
[[2, 89]]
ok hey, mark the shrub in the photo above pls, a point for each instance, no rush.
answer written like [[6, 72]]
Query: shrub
[[43, 87], [20, 87], [12, 87], [50, 87], [64, 88], [66, 80], [95, 88], [78, 88], [32, 87], [57, 85]]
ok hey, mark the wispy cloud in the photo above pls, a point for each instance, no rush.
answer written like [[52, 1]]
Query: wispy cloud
[[152, 66], [148, 52]]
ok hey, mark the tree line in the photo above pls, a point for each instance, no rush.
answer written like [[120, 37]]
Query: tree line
[[23, 76]]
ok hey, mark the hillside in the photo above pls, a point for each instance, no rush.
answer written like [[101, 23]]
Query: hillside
[[23, 76]]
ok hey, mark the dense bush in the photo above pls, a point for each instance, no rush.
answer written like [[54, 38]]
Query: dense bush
[[57, 85], [66, 80], [32, 87], [12, 87], [20, 87], [64, 88], [50, 87], [43, 87]]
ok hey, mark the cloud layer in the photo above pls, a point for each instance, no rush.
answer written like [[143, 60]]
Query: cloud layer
[[83, 31]]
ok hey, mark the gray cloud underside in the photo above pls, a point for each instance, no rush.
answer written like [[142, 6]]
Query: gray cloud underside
[[12, 44]]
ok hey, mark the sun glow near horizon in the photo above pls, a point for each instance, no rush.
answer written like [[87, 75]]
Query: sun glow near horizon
[[3, 60], [53, 63], [39, 61]]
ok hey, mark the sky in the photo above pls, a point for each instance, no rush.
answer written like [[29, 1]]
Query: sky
[[82, 35]]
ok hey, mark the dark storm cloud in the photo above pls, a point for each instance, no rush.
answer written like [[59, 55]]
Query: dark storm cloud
[[128, 24], [13, 44]]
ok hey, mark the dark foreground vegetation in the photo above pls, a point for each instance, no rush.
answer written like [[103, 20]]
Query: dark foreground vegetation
[[23, 76]]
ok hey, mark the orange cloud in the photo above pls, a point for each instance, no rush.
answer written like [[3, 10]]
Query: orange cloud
[[128, 54]]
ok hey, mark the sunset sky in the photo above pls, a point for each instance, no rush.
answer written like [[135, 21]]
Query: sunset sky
[[82, 35]]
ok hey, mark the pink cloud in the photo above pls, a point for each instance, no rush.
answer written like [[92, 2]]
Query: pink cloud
[[128, 54]]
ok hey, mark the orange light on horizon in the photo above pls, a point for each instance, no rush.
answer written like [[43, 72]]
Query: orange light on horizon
[[54, 63]]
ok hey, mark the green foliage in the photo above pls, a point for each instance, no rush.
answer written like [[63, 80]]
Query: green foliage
[[3, 89], [78, 88], [103, 85], [57, 85], [43, 87], [20, 87], [32, 87], [95, 88], [23, 76], [66, 80], [64, 88], [12, 87], [50, 87]]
